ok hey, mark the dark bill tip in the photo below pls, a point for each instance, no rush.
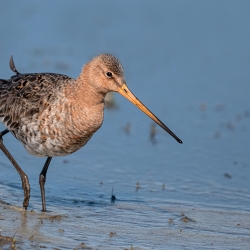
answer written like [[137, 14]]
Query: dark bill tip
[[180, 141]]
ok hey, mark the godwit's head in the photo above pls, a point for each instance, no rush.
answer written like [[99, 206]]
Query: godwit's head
[[105, 74]]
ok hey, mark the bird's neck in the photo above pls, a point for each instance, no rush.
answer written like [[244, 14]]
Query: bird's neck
[[86, 90], [85, 106], [86, 94]]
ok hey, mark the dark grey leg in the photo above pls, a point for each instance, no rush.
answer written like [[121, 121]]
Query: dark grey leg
[[42, 180], [23, 176]]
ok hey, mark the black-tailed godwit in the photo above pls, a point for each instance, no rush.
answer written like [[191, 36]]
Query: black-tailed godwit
[[55, 115]]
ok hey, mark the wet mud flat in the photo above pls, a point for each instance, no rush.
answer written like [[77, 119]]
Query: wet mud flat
[[124, 226]]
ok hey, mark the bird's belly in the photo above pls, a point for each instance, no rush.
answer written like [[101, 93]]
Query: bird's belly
[[56, 137], [50, 146]]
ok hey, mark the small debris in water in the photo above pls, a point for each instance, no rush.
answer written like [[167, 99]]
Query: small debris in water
[[227, 175], [131, 248], [137, 186], [83, 246], [126, 128], [113, 198], [32, 236], [186, 219], [55, 217], [153, 133], [163, 186], [111, 234]]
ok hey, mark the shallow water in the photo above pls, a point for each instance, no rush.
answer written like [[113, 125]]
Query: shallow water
[[189, 63]]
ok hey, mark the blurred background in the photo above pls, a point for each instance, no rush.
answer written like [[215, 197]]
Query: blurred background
[[187, 61]]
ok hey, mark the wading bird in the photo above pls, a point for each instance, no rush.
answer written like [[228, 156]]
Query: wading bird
[[55, 115]]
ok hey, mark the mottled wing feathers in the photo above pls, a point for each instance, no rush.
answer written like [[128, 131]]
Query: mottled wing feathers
[[28, 94]]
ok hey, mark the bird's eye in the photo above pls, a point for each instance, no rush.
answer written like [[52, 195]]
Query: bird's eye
[[109, 74]]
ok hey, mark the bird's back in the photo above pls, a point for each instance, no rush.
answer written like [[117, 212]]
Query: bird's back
[[35, 109], [24, 95]]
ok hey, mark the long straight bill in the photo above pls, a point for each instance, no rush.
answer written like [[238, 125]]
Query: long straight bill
[[124, 90]]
